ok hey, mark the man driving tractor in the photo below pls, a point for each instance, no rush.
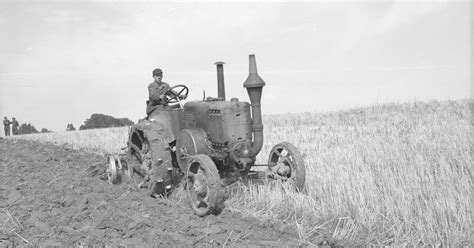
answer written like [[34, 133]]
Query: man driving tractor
[[156, 91], [156, 174]]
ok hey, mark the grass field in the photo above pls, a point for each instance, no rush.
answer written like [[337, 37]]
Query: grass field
[[394, 174]]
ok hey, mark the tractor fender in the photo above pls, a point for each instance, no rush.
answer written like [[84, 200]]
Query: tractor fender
[[154, 130]]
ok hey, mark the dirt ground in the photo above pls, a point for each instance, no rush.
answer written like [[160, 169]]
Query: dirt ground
[[54, 195]]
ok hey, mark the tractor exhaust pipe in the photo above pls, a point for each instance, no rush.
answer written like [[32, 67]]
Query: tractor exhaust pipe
[[220, 80], [254, 85]]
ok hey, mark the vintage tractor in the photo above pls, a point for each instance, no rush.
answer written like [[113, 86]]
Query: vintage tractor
[[211, 143]]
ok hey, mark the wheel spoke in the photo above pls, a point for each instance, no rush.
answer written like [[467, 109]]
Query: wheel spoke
[[281, 156], [173, 94], [277, 152]]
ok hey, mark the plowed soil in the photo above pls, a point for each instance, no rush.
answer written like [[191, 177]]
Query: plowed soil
[[53, 195]]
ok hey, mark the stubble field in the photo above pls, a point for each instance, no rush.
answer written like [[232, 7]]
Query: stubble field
[[394, 174]]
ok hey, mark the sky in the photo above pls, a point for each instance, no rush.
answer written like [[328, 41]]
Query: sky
[[63, 61]]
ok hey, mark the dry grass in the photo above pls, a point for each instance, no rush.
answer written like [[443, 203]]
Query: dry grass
[[103, 141], [396, 174]]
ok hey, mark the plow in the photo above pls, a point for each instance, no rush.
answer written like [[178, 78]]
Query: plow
[[205, 145]]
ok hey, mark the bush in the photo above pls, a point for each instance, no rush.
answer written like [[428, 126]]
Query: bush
[[105, 121], [27, 128], [70, 127]]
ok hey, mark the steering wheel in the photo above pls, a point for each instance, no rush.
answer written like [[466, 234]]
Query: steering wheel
[[177, 93]]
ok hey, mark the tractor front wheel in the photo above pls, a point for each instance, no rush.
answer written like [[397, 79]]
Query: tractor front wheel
[[203, 186], [286, 163]]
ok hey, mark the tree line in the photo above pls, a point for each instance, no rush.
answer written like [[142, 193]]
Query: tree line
[[95, 121]]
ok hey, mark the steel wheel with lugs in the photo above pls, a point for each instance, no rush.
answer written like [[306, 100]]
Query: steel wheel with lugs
[[203, 186], [286, 163]]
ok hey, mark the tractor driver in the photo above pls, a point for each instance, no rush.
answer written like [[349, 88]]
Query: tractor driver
[[156, 91]]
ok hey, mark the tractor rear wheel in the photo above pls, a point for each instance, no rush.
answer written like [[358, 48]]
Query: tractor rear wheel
[[142, 157], [203, 186], [286, 163]]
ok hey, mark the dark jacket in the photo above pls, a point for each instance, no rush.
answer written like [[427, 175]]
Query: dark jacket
[[15, 124], [6, 123], [156, 93], [156, 96]]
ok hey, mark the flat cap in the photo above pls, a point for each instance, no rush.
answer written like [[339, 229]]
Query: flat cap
[[157, 71]]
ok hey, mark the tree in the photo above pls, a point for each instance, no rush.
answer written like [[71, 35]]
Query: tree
[[44, 130], [27, 128], [70, 127], [104, 121]]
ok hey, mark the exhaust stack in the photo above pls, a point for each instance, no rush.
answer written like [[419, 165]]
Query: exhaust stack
[[254, 85], [220, 80]]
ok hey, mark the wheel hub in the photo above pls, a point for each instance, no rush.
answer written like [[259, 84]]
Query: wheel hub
[[283, 170]]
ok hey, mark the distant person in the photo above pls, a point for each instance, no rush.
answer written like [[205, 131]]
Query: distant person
[[6, 126], [15, 126], [156, 91]]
